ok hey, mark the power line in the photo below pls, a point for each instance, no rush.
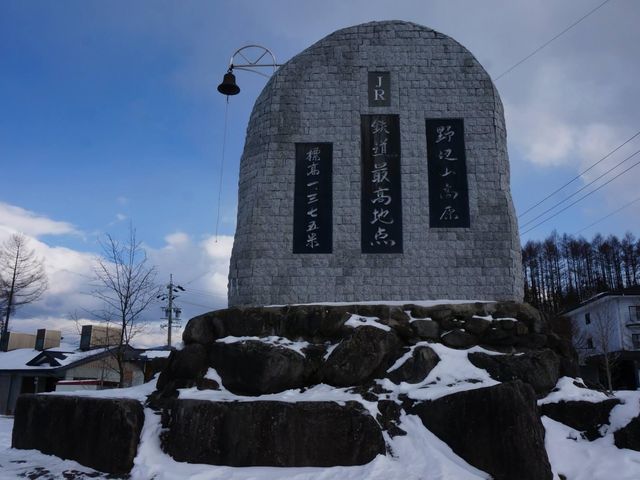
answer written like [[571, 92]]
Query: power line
[[581, 189], [199, 305], [581, 198], [549, 41], [608, 215], [580, 174]]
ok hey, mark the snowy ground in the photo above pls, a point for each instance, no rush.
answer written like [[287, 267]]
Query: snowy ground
[[417, 456]]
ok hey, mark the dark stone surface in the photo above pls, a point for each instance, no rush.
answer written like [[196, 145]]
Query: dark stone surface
[[524, 312], [477, 325], [541, 369], [452, 323], [361, 357], [569, 366], [100, 433], [255, 368], [629, 435], [389, 417], [586, 417], [426, 329], [184, 369], [279, 434], [498, 337], [496, 429], [423, 359], [459, 339]]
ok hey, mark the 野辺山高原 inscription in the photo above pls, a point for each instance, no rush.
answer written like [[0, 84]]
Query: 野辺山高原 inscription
[[447, 168], [313, 212], [381, 215]]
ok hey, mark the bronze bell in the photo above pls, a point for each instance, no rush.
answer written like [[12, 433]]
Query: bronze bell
[[228, 85]]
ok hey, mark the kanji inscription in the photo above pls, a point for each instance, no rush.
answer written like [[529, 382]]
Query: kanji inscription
[[381, 187], [312, 204], [447, 168]]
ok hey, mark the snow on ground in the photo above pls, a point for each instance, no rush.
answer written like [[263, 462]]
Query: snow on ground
[[15, 464], [453, 373], [271, 340], [567, 390], [578, 459], [356, 321], [420, 455], [414, 454], [622, 414], [139, 392]]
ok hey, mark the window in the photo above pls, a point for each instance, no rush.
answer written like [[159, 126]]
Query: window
[[587, 319], [635, 340], [590, 343], [634, 314]]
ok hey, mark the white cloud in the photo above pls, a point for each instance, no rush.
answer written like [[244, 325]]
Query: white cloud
[[16, 219], [200, 266]]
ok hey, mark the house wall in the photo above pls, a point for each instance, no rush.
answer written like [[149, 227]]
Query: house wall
[[106, 369], [10, 385], [605, 308]]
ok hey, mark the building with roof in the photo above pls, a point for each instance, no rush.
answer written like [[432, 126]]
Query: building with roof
[[32, 370], [609, 323]]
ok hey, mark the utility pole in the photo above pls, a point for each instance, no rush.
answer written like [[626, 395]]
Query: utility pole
[[170, 310]]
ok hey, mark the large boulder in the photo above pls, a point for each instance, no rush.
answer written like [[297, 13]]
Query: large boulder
[[541, 369], [496, 429], [356, 360], [100, 433], [416, 368], [459, 338], [586, 417], [253, 367], [185, 368], [278, 434], [426, 329], [629, 435]]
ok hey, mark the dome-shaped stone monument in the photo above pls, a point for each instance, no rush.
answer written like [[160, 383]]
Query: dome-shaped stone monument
[[375, 168]]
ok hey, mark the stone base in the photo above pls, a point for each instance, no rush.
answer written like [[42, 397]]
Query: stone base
[[100, 433], [277, 434], [370, 353]]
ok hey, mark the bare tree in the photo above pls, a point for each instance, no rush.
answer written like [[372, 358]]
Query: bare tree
[[22, 277], [604, 331], [126, 287]]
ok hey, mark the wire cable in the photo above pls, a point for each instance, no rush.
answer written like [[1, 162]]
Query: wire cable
[[579, 190], [608, 215], [549, 41], [224, 145], [581, 198], [580, 174]]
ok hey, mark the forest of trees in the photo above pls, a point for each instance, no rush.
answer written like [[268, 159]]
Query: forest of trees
[[563, 270]]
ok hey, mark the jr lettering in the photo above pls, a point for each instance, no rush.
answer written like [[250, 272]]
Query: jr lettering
[[379, 92]]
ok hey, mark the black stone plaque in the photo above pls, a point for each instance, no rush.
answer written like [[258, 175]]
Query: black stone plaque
[[312, 203], [379, 89], [447, 167], [381, 187]]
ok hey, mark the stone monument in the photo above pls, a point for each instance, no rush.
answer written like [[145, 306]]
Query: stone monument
[[375, 168]]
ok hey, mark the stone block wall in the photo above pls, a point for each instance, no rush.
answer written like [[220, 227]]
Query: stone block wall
[[319, 96]]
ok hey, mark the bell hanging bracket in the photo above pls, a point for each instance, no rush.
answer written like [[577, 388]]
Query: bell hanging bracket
[[254, 59]]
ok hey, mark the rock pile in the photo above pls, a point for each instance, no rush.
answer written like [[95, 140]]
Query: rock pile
[[339, 385], [360, 348]]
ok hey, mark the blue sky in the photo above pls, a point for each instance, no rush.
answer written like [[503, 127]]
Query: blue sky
[[109, 115]]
